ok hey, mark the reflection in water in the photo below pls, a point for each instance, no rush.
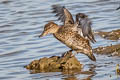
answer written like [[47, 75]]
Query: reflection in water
[[71, 74], [71, 78], [6, 1]]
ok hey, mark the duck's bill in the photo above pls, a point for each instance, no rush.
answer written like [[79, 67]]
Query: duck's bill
[[43, 34]]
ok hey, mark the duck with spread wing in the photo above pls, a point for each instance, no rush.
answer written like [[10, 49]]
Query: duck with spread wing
[[74, 34]]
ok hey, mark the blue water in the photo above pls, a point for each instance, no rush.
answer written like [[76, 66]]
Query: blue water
[[21, 21]]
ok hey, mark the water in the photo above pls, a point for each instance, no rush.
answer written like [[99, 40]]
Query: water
[[21, 21]]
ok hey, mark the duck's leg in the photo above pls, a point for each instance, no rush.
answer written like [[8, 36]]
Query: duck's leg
[[66, 52], [74, 53]]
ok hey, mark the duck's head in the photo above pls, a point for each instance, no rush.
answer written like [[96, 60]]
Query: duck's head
[[81, 15], [51, 27]]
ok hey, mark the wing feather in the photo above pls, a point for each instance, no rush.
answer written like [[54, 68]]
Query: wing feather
[[84, 24], [63, 14]]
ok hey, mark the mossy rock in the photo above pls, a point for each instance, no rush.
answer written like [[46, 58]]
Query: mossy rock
[[55, 63], [112, 50], [112, 35]]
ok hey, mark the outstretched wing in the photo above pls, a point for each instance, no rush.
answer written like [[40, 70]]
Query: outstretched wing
[[63, 14], [85, 26]]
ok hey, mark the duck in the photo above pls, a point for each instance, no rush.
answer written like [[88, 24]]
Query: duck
[[68, 33]]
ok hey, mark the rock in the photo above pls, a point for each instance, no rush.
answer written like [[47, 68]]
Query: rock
[[113, 50], [112, 35], [55, 64]]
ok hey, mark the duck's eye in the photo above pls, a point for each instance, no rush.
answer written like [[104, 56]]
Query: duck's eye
[[70, 22], [82, 16]]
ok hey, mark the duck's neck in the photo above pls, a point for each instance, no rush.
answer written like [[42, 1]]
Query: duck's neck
[[56, 28]]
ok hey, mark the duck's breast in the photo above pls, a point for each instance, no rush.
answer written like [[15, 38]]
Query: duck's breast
[[65, 36]]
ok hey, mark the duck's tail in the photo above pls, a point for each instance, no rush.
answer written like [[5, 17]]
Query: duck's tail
[[91, 56]]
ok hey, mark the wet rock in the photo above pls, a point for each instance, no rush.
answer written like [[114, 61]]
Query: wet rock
[[117, 70], [113, 50], [55, 64], [112, 35]]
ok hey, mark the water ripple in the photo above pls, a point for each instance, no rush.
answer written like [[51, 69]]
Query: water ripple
[[22, 21]]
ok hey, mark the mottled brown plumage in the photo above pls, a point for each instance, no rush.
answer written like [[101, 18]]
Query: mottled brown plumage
[[83, 23], [75, 35], [63, 14], [69, 37]]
